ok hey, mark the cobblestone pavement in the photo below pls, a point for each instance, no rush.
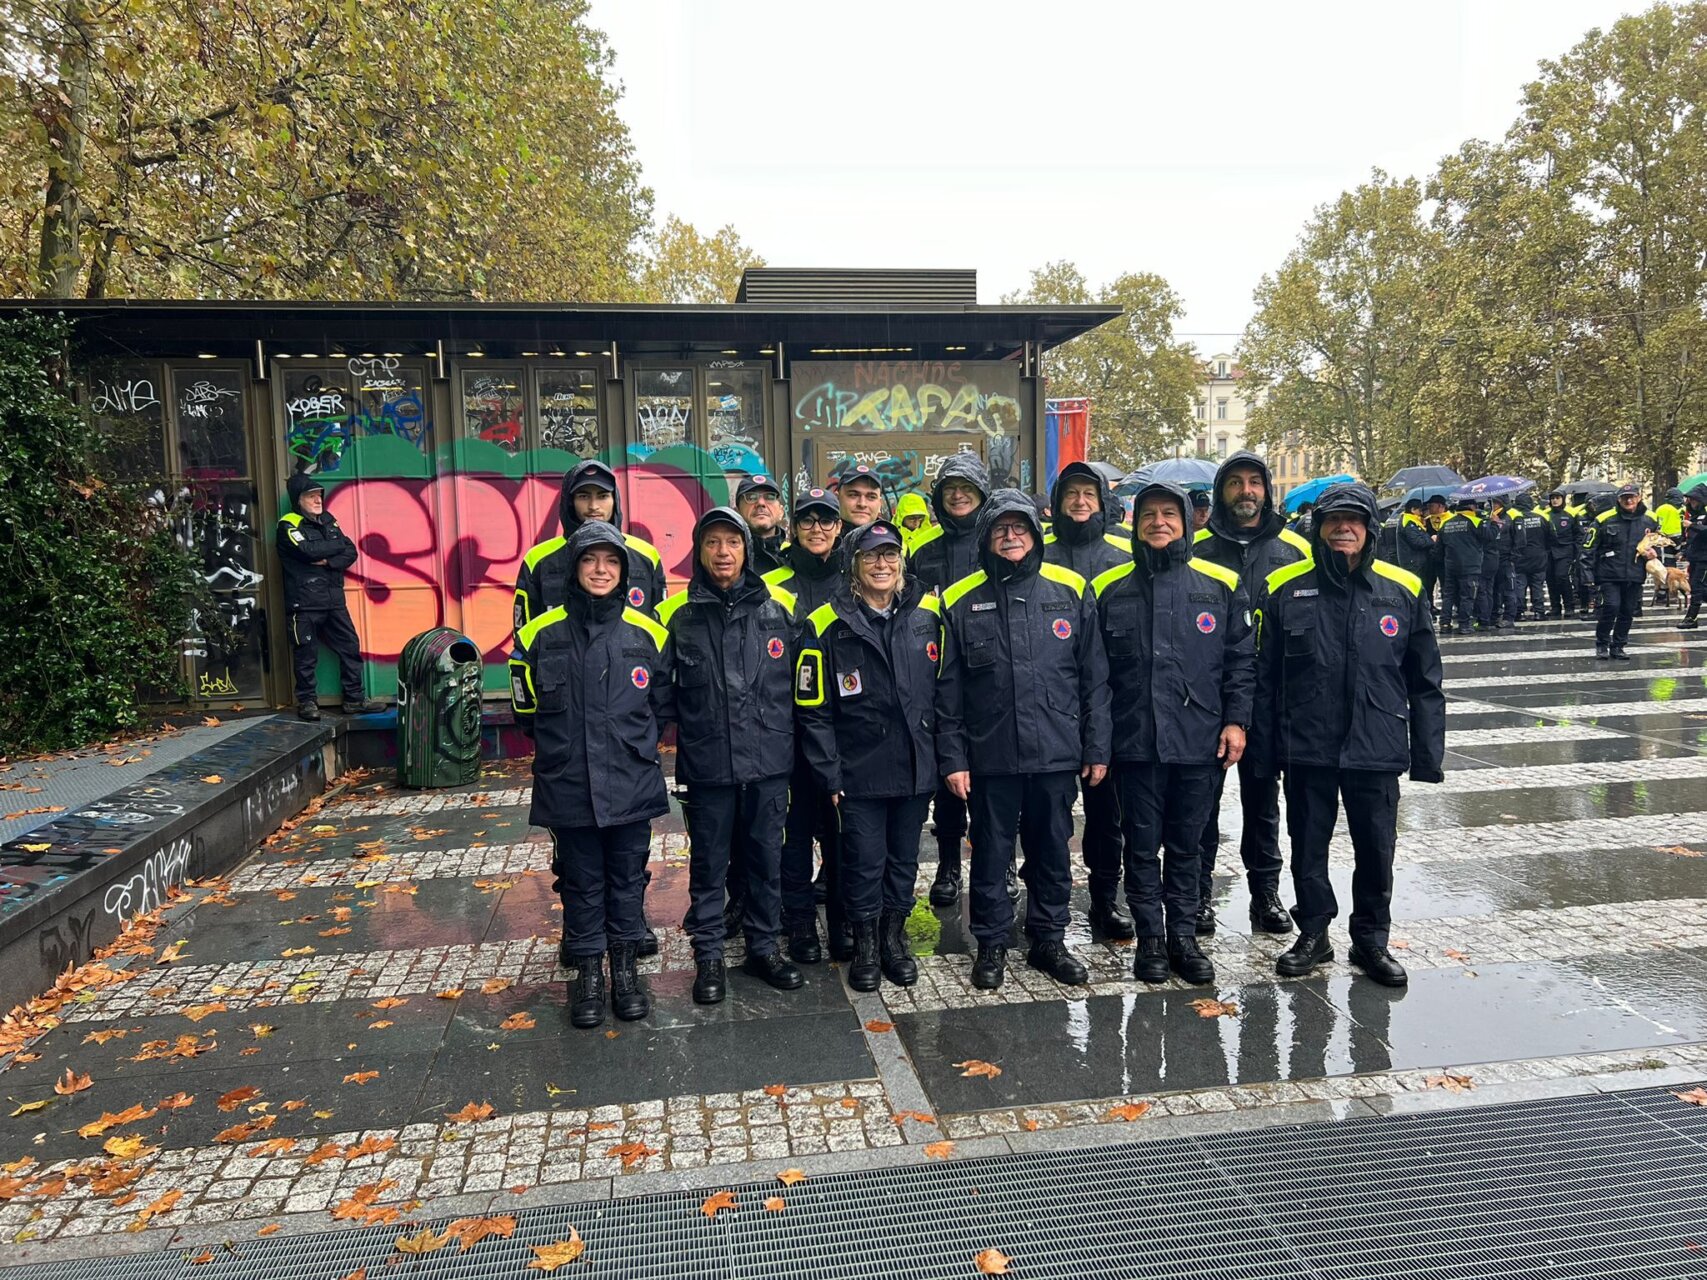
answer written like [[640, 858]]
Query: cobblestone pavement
[[366, 1020]]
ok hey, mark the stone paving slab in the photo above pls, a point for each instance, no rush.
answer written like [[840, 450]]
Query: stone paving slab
[[1540, 908]]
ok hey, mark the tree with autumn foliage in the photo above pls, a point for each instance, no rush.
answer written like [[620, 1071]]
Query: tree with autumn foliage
[[311, 149], [1538, 306], [1142, 383], [685, 266]]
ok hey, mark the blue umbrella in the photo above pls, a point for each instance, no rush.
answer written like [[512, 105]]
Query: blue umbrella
[[1413, 477], [1187, 473], [1310, 490], [1493, 487]]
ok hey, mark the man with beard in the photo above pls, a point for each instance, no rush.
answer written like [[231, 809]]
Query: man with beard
[[812, 571], [1246, 535], [941, 555], [861, 495], [759, 501], [1088, 539]]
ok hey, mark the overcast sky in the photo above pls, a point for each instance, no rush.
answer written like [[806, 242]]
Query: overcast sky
[[1190, 140]]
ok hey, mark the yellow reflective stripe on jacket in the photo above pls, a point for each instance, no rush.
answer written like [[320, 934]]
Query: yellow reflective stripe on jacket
[[667, 609], [970, 582], [635, 618], [540, 550], [525, 637], [1108, 577], [809, 679], [822, 617], [1220, 572], [522, 697], [1292, 539], [782, 597], [1066, 577], [1281, 576], [1404, 577], [645, 548], [1202, 535]]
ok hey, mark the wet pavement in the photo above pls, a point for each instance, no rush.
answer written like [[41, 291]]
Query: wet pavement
[[343, 996]]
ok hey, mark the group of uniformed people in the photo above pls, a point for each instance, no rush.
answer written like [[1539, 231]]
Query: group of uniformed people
[[1507, 560], [833, 681]]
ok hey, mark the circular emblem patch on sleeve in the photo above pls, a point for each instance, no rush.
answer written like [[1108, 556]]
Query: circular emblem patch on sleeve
[[1062, 629], [931, 650], [1389, 625], [775, 647], [641, 677], [1206, 622], [636, 597]]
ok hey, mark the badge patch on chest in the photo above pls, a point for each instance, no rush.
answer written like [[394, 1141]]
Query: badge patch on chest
[[641, 677], [1206, 622], [775, 647], [636, 597], [1062, 628], [850, 684], [1389, 625]]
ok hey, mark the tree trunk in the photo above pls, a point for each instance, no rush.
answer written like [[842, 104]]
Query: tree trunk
[[67, 119]]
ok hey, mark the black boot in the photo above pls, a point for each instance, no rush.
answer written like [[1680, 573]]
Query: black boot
[[1267, 915], [1012, 880], [894, 953], [1206, 921], [1618, 654], [1379, 964], [365, 706], [1054, 959], [865, 972], [945, 889], [1151, 962], [1187, 959], [1109, 918], [709, 981], [628, 995], [587, 992], [648, 944], [990, 967], [1302, 956], [307, 711], [774, 970], [803, 945], [841, 937], [1602, 652]]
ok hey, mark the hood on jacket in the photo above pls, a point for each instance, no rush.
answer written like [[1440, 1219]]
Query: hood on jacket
[[1069, 530], [1674, 496], [1269, 521], [728, 516], [597, 533], [1177, 550], [1005, 502], [969, 468], [1353, 499], [300, 483], [578, 475], [1698, 494], [911, 503]]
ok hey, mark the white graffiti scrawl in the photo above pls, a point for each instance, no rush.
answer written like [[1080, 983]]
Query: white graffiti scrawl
[[152, 886]]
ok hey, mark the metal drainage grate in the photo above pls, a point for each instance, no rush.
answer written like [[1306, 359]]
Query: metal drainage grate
[[1597, 1186]]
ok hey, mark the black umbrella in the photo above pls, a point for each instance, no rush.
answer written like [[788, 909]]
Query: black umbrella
[[1412, 477], [1592, 488]]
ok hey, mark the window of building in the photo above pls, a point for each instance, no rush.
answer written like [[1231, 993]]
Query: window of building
[[735, 417], [1220, 368], [1202, 445], [1221, 407], [1201, 410], [663, 407], [1221, 446]]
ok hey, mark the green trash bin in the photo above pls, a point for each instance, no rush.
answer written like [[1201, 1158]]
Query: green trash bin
[[438, 710]]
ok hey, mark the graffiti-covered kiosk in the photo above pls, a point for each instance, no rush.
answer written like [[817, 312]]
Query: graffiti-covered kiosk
[[442, 432]]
